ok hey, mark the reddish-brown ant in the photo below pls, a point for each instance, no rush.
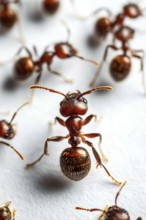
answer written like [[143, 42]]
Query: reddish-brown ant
[[7, 130], [120, 66], [25, 66], [7, 213], [113, 212], [51, 6], [75, 161], [106, 24], [8, 17]]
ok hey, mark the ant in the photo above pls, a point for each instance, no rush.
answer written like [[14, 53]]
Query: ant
[[75, 161], [51, 6], [105, 24], [6, 213], [8, 17], [7, 129], [24, 67], [113, 212], [120, 65]]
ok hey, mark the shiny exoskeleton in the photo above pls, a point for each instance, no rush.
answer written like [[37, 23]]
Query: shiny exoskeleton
[[6, 213], [51, 6], [24, 67], [113, 212], [107, 24], [7, 130], [120, 65], [8, 17], [75, 161]]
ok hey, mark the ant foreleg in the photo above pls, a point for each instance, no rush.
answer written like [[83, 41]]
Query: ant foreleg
[[89, 118], [37, 80], [45, 152], [59, 120], [102, 62], [94, 135], [98, 159], [60, 75]]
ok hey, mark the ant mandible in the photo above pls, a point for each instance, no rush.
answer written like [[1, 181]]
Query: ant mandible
[[7, 129], [120, 66], [8, 17], [24, 67], [6, 213], [113, 212], [75, 161]]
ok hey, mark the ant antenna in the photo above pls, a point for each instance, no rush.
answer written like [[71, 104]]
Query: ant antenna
[[50, 90], [91, 210], [97, 88], [118, 193], [14, 115], [8, 145], [67, 29], [87, 60]]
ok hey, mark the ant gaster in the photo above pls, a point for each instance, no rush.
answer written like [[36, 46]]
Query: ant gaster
[[7, 130], [51, 6], [9, 17], [24, 67], [75, 161], [6, 213], [113, 212], [120, 65]]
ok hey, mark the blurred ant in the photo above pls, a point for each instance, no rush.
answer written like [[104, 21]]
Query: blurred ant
[[9, 17], [113, 212], [6, 213], [24, 67], [106, 24], [51, 6], [75, 161], [120, 65], [7, 129]]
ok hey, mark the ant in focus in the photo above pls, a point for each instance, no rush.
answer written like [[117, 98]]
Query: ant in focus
[[7, 129], [120, 65], [9, 17], [6, 213], [24, 67], [105, 24], [113, 212], [75, 161]]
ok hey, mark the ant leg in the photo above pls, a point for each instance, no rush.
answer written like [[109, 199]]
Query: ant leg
[[89, 118], [67, 29], [89, 210], [59, 120], [141, 58], [45, 152], [8, 145], [59, 74], [87, 60], [94, 135], [98, 159], [37, 80], [15, 113], [102, 62], [102, 215], [118, 193]]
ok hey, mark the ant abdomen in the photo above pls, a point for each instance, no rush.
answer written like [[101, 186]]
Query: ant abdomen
[[75, 163], [8, 19], [51, 6], [23, 68], [120, 67]]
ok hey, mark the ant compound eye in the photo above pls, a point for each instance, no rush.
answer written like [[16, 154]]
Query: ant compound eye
[[61, 103], [85, 101]]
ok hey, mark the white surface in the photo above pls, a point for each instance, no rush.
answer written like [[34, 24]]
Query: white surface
[[44, 192]]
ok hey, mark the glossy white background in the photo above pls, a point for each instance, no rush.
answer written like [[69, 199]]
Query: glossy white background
[[44, 192]]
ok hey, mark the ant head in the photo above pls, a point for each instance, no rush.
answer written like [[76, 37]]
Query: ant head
[[5, 212], [6, 130], [132, 10], [65, 50], [124, 33], [103, 26], [116, 213], [73, 104], [51, 6]]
